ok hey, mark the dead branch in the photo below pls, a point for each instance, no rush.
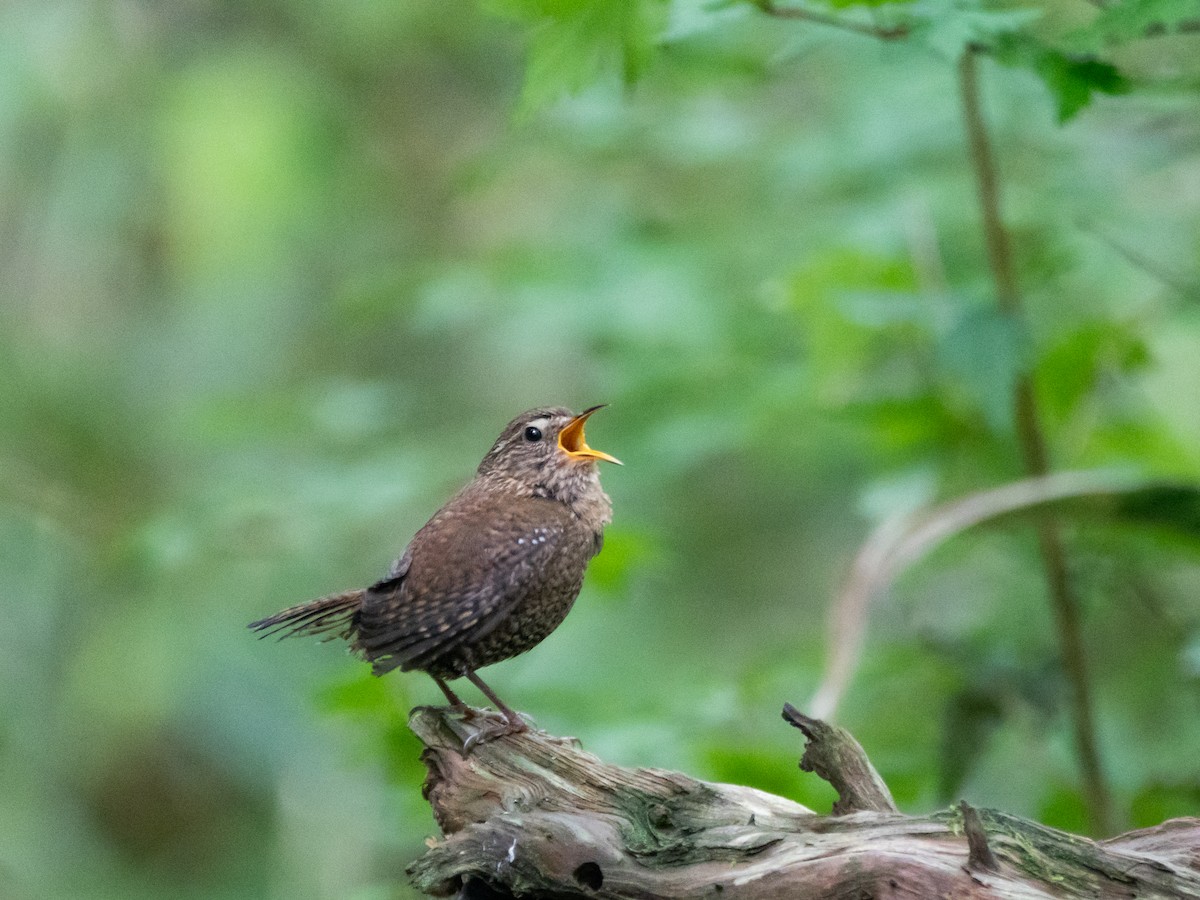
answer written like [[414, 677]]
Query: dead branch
[[532, 815]]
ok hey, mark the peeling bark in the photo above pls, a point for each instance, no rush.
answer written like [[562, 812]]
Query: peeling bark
[[532, 815]]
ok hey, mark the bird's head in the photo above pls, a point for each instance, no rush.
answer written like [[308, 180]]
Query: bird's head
[[544, 451]]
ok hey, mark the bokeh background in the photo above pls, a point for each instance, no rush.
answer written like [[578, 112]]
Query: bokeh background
[[274, 275]]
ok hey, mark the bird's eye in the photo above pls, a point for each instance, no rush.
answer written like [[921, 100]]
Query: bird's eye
[[532, 434]]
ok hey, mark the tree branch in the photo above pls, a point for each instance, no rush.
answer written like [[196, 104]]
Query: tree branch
[[1034, 455], [834, 755], [883, 32], [979, 852], [531, 815]]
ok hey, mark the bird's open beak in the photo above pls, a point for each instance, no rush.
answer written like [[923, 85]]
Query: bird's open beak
[[570, 439]]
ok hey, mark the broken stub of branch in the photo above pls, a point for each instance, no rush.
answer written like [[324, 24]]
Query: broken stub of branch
[[534, 815], [833, 754], [979, 854]]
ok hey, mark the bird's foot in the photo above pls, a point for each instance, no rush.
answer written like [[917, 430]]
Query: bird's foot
[[499, 727], [461, 709], [468, 713]]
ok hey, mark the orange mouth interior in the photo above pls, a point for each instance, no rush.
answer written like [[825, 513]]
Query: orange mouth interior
[[571, 440]]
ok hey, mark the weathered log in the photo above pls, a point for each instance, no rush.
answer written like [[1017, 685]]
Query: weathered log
[[532, 815]]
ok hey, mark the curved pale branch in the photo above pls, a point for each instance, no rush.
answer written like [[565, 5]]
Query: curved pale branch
[[901, 541]]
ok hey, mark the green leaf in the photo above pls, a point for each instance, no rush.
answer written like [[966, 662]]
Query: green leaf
[[573, 42], [1070, 369], [689, 18], [1073, 79], [1173, 506], [1074, 82], [983, 354], [850, 4], [1132, 19], [948, 26]]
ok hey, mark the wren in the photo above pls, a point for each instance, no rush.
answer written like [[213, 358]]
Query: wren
[[490, 575]]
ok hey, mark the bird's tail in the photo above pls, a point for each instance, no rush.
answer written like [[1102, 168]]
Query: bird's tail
[[332, 616]]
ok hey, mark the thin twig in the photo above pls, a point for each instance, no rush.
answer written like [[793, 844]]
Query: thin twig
[[1185, 286], [1034, 455], [1157, 29], [883, 32]]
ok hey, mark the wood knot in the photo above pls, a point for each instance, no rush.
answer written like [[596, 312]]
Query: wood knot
[[660, 817], [589, 875]]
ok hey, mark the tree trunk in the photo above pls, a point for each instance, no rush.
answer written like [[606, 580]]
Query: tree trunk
[[531, 815]]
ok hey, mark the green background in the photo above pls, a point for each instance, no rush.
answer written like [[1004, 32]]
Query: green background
[[275, 275]]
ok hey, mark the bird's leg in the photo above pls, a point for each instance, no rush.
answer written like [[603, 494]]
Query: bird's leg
[[455, 701], [512, 724], [513, 717]]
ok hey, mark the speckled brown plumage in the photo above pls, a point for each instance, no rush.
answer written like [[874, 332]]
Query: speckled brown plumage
[[491, 574]]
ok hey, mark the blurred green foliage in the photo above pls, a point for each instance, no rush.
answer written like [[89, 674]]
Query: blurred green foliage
[[276, 274]]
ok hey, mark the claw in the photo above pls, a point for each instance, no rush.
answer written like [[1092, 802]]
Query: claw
[[496, 729]]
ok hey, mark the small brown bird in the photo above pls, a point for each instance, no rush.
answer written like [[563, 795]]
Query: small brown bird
[[490, 575]]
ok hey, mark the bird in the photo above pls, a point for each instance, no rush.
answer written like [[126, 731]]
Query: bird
[[489, 576]]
